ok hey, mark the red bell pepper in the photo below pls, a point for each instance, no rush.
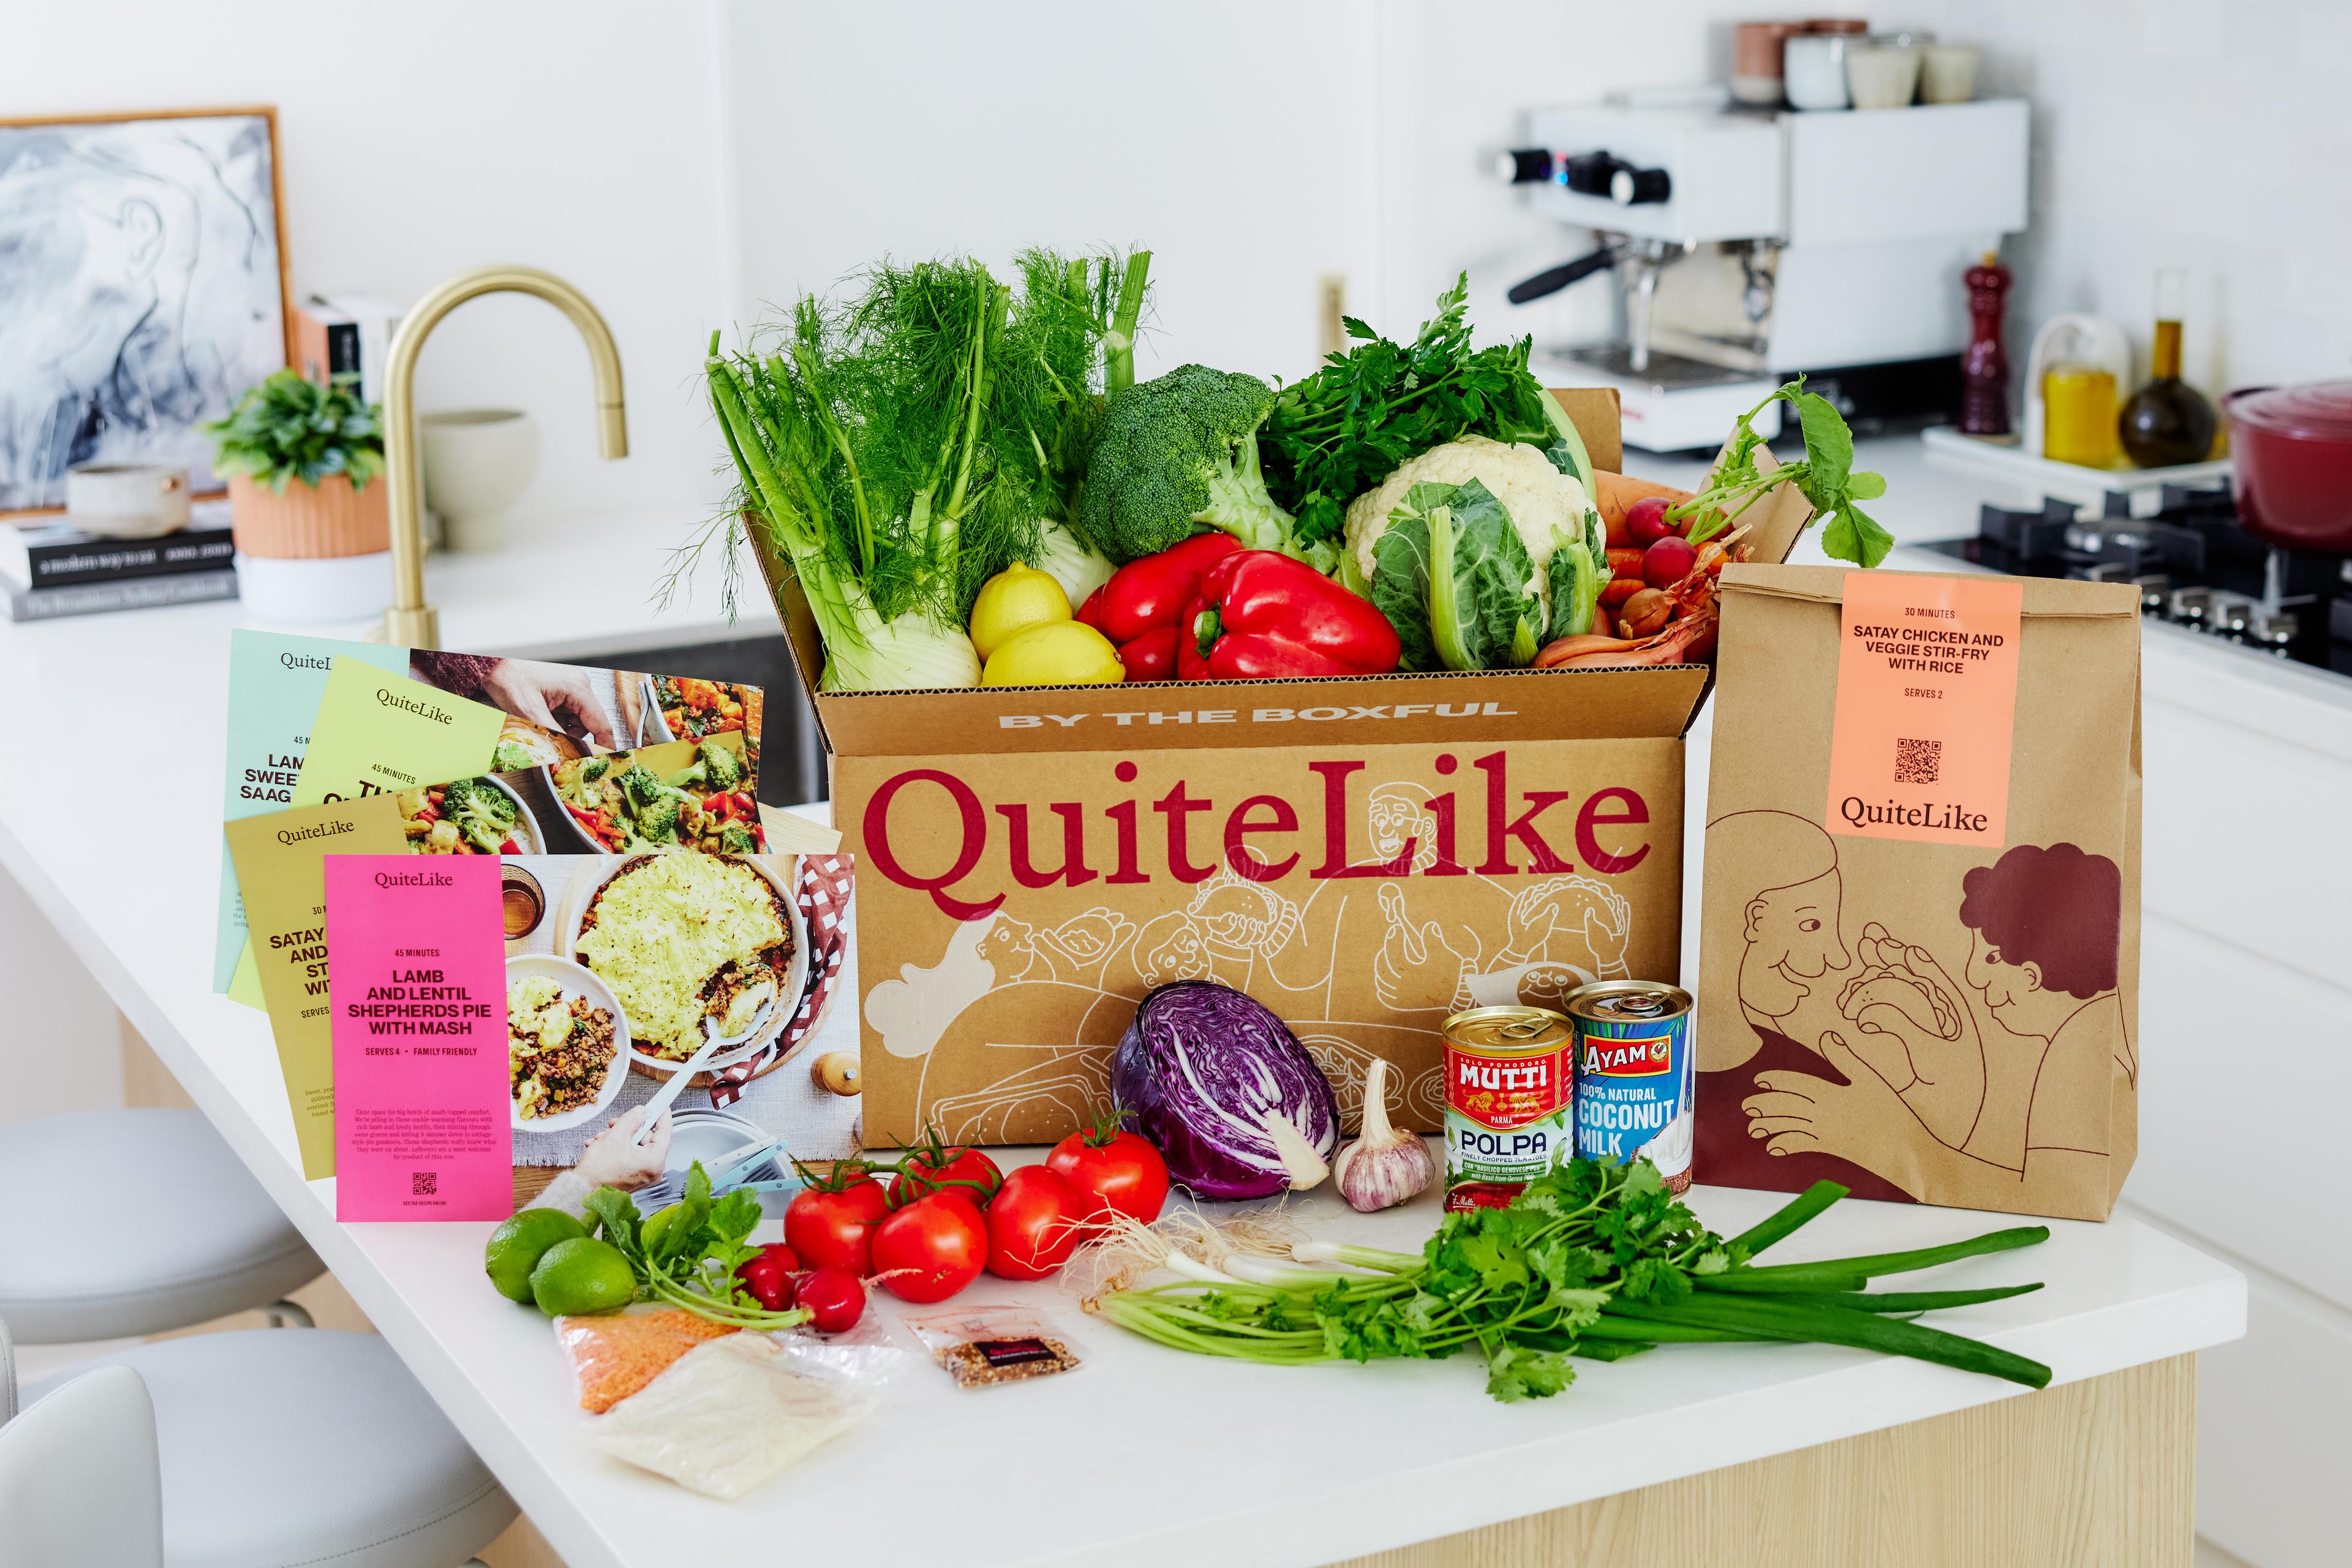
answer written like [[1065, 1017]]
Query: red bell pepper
[[1261, 616], [1141, 608]]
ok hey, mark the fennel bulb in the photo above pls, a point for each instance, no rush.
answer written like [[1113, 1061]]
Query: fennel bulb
[[909, 652]]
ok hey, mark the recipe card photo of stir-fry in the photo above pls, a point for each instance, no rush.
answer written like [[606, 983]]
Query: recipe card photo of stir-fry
[[680, 795]]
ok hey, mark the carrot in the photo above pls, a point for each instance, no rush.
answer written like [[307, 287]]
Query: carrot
[[1616, 591], [1626, 563], [1612, 493]]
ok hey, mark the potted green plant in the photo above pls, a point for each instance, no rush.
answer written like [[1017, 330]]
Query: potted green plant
[[299, 456]]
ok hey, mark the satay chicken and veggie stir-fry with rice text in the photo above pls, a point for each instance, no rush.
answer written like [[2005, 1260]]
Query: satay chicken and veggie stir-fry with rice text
[[558, 1047], [471, 817], [625, 806]]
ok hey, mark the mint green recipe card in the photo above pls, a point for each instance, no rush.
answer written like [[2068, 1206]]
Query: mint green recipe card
[[276, 682]]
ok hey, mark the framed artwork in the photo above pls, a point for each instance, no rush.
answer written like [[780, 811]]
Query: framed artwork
[[142, 258]]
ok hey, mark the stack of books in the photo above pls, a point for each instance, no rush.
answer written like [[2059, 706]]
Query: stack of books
[[54, 569]]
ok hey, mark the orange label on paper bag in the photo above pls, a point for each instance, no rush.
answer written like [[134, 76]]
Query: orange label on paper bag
[[1926, 694]]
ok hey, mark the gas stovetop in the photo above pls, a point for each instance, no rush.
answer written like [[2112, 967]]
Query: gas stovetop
[[2193, 565]]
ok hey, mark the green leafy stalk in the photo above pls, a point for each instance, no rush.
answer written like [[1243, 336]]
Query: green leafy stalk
[[1591, 1259], [1785, 1221], [1825, 476]]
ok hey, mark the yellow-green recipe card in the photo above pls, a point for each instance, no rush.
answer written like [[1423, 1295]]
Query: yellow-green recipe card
[[378, 734]]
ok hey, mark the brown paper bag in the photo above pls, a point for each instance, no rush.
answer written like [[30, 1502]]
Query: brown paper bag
[[1919, 940]]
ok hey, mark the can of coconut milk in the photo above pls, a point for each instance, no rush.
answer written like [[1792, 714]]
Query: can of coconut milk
[[1633, 1075], [1508, 1096]]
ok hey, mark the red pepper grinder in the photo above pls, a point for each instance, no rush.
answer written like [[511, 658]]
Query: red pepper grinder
[[1984, 367]]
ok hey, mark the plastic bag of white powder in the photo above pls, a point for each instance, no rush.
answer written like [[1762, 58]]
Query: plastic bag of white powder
[[726, 1417]]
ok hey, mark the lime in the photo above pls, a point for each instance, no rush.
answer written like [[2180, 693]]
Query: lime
[[515, 1247], [581, 1276]]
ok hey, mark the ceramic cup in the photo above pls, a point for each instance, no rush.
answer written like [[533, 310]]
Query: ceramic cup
[[1948, 72], [127, 501], [1813, 70], [1883, 76], [478, 463]]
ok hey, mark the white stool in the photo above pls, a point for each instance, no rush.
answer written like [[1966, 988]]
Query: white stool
[[134, 1222], [77, 1481], [282, 1447]]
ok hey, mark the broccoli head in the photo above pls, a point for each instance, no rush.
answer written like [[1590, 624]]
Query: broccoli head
[[1177, 456], [483, 813], [737, 839], [658, 820], [592, 769], [640, 784], [722, 767]]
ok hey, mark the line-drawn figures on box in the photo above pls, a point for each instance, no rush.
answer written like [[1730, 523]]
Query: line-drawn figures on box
[[912, 1012], [1004, 984], [1876, 1060], [1071, 1086], [1346, 1065]]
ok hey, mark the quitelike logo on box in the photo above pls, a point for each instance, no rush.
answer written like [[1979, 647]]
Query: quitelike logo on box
[[1248, 837]]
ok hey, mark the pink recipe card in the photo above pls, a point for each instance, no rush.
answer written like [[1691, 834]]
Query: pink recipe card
[[418, 990]]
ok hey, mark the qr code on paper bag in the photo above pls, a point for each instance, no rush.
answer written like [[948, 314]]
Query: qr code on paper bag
[[421, 1183], [1916, 762]]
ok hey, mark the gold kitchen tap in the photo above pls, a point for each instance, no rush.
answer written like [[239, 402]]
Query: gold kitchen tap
[[409, 621]]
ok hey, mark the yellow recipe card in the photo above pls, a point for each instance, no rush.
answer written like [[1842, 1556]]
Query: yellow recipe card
[[378, 733], [281, 870]]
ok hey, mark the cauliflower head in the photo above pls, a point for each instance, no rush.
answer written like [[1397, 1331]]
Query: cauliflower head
[[1539, 497]]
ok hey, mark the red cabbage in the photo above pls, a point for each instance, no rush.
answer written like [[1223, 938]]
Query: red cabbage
[[1200, 1066]]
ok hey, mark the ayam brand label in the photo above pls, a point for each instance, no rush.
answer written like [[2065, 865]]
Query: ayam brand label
[[1631, 1057], [1263, 838]]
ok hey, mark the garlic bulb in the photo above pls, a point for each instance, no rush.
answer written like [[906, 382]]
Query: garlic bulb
[[1382, 1167]]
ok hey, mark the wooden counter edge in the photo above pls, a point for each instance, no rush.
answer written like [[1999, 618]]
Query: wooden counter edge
[[2095, 1473]]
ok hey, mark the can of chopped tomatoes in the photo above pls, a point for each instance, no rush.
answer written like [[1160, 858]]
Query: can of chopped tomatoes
[[1508, 1095], [1634, 1077]]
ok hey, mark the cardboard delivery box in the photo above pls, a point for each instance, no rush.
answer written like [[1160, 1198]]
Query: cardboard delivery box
[[1364, 855]]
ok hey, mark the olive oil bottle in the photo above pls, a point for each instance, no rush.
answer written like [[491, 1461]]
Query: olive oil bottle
[[2168, 421]]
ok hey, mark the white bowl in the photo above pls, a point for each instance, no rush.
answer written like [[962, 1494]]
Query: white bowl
[[478, 463], [582, 894], [577, 980]]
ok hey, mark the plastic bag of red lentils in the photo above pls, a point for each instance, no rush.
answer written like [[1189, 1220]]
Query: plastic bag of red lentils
[[613, 1356]]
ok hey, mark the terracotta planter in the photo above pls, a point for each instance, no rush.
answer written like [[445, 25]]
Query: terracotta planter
[[324, 522]]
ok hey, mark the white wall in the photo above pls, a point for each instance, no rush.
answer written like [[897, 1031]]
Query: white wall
[[1231, 137], [430, 136], [2183, 133]]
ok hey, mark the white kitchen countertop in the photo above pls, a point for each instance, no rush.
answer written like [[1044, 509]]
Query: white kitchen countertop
[[1146, 1454]]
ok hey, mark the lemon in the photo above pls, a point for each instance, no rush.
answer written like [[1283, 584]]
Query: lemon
[[1010, 603], [516, 1246], [581, 1276], [1059, 653]]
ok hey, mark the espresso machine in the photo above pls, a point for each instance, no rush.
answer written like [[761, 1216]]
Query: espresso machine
[[1749, 246]]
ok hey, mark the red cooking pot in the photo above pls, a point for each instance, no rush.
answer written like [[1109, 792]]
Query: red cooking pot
[[2293, 448]]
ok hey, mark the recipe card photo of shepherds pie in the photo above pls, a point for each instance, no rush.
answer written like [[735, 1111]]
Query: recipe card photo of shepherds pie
[[567, 1043], [681, 938]]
